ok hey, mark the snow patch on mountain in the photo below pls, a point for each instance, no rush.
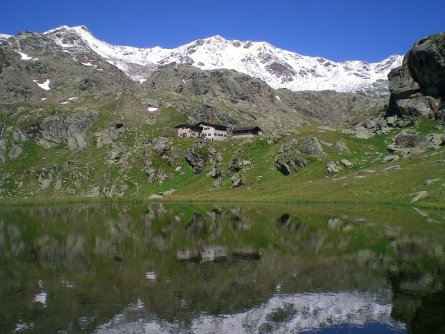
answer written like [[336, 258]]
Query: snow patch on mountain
[[4, 36], [45, 85], [24, 56], [277, 67]]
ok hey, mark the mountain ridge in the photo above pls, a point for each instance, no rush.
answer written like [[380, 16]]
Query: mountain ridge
[[277, 67]]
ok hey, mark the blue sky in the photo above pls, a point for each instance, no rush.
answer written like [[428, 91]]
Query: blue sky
[[335, 29]]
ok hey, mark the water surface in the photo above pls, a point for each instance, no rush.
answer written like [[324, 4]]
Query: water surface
[[187, 268]]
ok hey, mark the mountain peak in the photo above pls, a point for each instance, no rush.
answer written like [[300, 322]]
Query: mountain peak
[[277, 67], [216, 37]]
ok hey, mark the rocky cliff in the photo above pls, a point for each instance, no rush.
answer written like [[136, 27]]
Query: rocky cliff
[[418, 86]]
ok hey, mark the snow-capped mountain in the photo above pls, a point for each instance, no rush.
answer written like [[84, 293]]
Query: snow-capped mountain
[[3, 36], [308, 312], [277, 67]]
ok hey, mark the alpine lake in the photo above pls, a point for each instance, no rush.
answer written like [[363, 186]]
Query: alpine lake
[[221, 268]]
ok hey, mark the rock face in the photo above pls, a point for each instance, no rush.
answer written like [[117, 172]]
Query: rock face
[[286, 164], [69, 130], [215, 161], [418, 86], [195, 159]]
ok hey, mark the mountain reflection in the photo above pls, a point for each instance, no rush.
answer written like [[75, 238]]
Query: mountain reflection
[[219, 268]]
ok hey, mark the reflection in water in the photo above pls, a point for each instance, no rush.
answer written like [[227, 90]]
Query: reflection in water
[[280, 314], [181, 268]]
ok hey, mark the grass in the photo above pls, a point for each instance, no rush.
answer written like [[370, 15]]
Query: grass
[[88, 169]]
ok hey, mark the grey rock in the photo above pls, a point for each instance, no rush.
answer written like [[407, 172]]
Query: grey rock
[[419, 196], [391, 168], [418, 86], [411, 142], [218, 182], [235, 164], [3, 148], [106, 137], [116, 154], [429, 181], [333, 167], [312, 146], [163, 147], [342, 147], [15, 151], [154, 175], [391, 120], [346, 163], [408, 139], [401, 83], [54, 129], [391, 157], [370, 127], [46, 176], [237, 180], [287, 164], [195, 159], [214, 172], [436, 139], [426, 62], [19, 136], [167, 192], [417, 106], [289, 145], [215, 162], [70, 130]]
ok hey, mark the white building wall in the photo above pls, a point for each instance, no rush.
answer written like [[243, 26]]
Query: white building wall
[[211, 133]]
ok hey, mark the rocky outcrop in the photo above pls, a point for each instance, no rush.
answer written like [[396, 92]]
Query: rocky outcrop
[[333, 167], [287, 164], [370, 127], [235, 164], [418, 86], [237, 180], [215, 161], [15, 151], [408, 143], [195, 159], [289, 146], [3, 148], [409, 139], [311, 146], [110, 135], [69, 130]]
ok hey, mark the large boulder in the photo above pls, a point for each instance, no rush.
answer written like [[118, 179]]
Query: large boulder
[[287, 164], [426, 62], [401, 83], [418, 86], [311, 146], [408, 139]]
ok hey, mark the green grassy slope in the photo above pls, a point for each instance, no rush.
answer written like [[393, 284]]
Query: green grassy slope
[[91, 173]]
